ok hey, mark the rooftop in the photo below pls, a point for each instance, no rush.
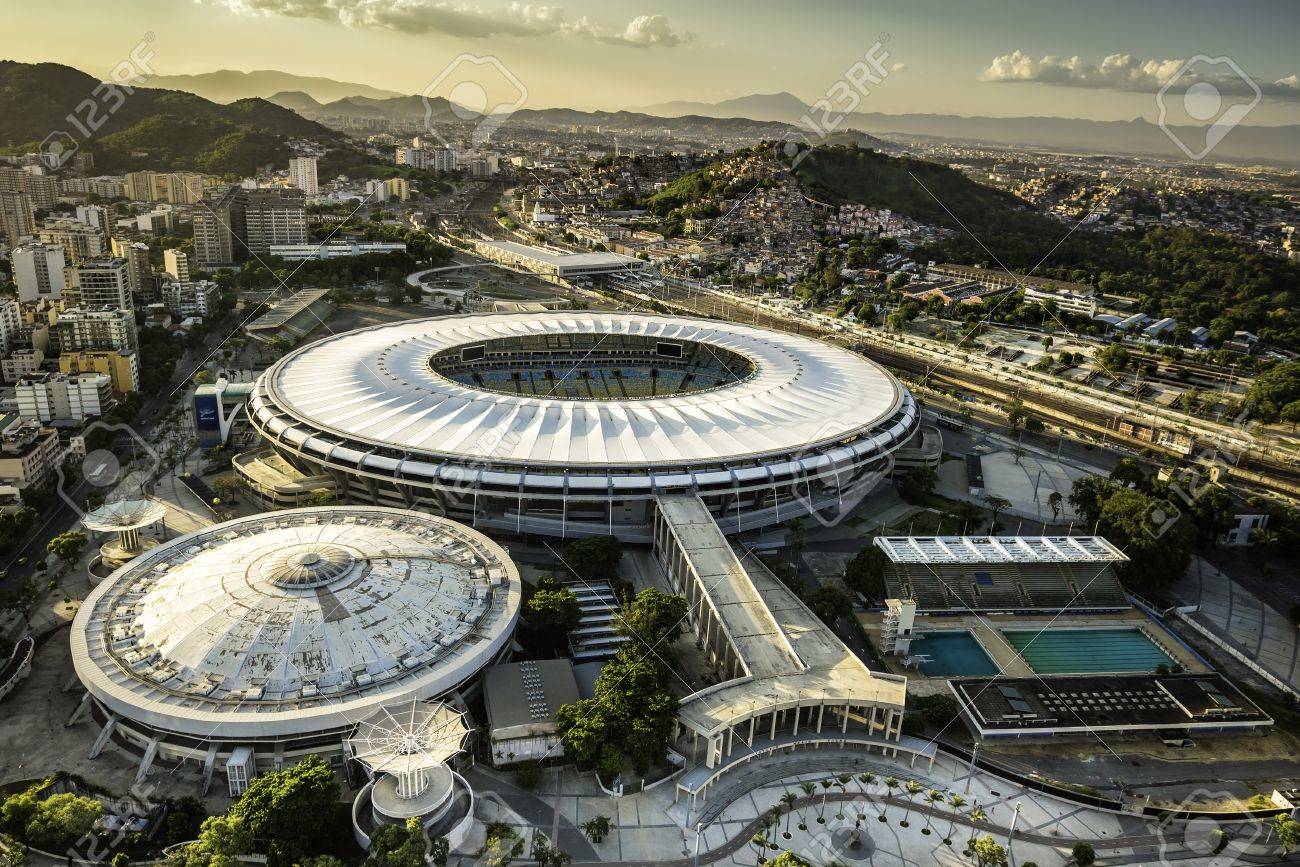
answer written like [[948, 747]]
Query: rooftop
[[999, 549]]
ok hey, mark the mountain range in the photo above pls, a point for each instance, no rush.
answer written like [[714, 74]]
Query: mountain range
[[164, 129], [228, 85]]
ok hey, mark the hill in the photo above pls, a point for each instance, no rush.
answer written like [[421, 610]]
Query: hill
[[228, 85], [162, 129], [1197, 277]]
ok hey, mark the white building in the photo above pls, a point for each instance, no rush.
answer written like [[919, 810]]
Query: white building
[[334, 249], [85, 328], [177, 263], [190, 299], [136, 255], [302, 174], [39, 271], [63, 399]]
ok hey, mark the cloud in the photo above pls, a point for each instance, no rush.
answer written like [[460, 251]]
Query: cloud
[[1125, 72], [465, 19]]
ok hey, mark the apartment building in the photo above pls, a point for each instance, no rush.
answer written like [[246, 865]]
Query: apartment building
[[64, 399], [121, 366], [39, 271]]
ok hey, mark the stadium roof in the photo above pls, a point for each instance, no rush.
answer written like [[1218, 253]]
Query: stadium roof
[[375, 387], [292, 622], [999, 549]]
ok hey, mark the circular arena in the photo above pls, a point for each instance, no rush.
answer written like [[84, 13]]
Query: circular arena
[[279, 633], [569, 423]]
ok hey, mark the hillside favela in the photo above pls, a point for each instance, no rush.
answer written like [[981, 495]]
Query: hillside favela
[[469, 433]]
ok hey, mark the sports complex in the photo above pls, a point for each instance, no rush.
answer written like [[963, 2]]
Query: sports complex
[[571, 423]]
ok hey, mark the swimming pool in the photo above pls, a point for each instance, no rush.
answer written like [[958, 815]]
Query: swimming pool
[[1087, 651], [953, 653]]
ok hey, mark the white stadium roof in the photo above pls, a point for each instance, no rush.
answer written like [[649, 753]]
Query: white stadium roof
[[999, 549], [295, 622], [375, 387]]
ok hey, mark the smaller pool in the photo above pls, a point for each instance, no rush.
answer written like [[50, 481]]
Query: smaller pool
[[954, 653], [1087, 651]]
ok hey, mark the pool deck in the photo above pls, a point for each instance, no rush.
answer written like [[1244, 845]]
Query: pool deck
[[987, 630]]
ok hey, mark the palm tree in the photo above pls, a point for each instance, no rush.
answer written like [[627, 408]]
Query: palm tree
[[956, 801], [913, 788], [808, 789], [759, 842], [821, 814], [788, 800], [932, 797], [842, 783], [977, 815], [891, 783]]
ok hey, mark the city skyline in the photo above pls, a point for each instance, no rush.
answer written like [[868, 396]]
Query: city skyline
[[998, 59]]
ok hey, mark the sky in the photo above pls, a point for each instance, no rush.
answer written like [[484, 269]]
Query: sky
[[1099, 59]]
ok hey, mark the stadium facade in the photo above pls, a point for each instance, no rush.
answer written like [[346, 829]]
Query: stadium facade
[[571, 423]]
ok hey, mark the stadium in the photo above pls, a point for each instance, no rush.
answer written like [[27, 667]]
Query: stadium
[[570, 423], [268, 638]]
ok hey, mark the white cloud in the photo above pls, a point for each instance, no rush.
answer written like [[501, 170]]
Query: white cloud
[[1125, 72], [464, 19]]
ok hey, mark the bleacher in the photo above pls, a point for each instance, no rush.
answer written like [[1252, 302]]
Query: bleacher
[[1003, 573]]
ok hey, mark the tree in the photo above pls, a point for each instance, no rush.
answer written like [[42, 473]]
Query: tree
[[1083, 854], [1291, 414], [595, 558], [582, 727], [865, 573], [1018, 452], [988, 852], [996, 505], [1054, 503], [1016, 413], [797, 538], [67, 546], [221, 840], [1153, 533], [828, 604], [1129, 473], [653, 617], [918, 483], [23, 598], [397, 845], [553, 611], [203, 377], [547, 855], [787, 859], [289, 812], [1113, 358], [58, 822], [596, 828], [1287, 830]]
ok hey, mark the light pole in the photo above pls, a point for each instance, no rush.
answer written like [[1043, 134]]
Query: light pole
[[1011, 832], [970, 775]]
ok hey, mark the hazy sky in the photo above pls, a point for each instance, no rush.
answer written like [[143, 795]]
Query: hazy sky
[[1082, 58]]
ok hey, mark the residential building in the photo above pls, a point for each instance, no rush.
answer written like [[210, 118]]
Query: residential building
[[39, 271], [393, 188], [16, 218], [64, 399], [136, 256], [237, 224], [106, 282], [93, 215], [335, 249], [81, 328], [302, 174], [215, 228], [121, 366], [107, 187], [81, 241], [29, 454], [21, 363], [11, 323], [198, 298], [177, 188], [176, 262], [274, 217], [42, 190]]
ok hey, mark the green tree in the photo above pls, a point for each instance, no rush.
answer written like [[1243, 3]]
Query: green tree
[[595, 558], [1113, 358], [654, 618], [59, 821], [553, 610], [918, 483], [596, 828], [1083, 854], [996, 506], [397, 845], [289, 812], [865, 573], [67, 546], [582, 726], [1016, 412], [221, 839], [988, 852], [1054, 503]]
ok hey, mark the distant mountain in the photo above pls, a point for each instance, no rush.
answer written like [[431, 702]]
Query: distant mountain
[[1276, 144], [165, 129], [782, 107], [295, 101], [228, 85]]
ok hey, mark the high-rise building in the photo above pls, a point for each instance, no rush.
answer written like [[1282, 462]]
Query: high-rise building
[[214, 228], [93, 215], [177, 188], [11, 322], [41, 189], [104, 283], [302, 174], [64, 398], [121, 366], [442, 160], [16, 218], [80, 241], [136, 255], [39, 271], [176, 262], [80, 329], [237, 224]]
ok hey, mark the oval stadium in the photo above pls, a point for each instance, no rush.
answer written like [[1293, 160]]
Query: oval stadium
[[570, 423]]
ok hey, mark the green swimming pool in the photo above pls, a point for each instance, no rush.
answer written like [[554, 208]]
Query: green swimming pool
[[953, 653], [1087, 651]]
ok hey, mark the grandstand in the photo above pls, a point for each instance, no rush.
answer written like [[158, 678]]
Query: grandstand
[[1003, 573]]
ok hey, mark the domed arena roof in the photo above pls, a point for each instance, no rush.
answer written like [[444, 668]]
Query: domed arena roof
[[296, 621]]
